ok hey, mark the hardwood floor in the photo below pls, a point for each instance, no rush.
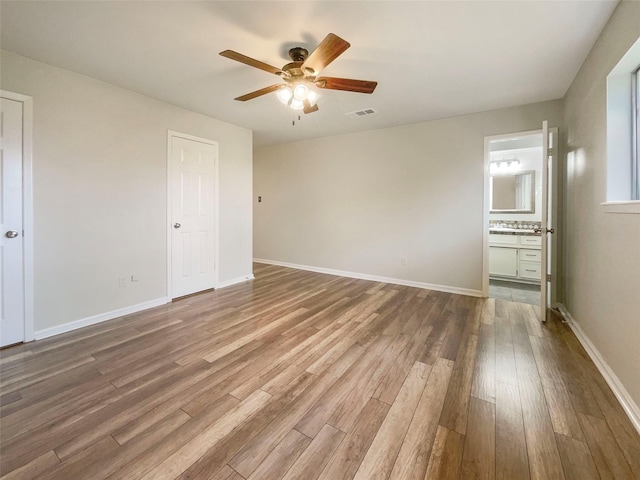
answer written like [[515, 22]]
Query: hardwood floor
[[300, 375]]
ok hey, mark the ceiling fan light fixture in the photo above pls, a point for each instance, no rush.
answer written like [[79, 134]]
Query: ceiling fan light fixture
[[301, 75], [296, 104], [312, 97], [300, 92], [284, 95]]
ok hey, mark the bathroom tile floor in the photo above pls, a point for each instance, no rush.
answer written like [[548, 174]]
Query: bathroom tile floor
[[514, 292]]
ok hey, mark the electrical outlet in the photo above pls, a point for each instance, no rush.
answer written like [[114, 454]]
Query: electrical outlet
[[403, 261], [122, 282]]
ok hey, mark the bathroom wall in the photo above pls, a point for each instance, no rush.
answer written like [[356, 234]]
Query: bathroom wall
[[530, 159]]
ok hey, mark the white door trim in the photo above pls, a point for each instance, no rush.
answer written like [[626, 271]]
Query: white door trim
[[170, 135], [27, 206], [487, 204]]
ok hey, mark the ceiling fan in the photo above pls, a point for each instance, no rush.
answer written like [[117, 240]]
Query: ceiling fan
[[302, 73]]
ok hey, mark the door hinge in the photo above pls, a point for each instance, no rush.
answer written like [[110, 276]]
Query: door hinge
[[548, 277], [550, 152]]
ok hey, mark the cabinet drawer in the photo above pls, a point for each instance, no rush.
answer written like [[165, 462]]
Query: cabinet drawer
[[526, 240], [497, 239], [530, 255], [530, 270]]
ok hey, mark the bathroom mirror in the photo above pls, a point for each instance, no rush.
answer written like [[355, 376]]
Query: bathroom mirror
[[513, 192]]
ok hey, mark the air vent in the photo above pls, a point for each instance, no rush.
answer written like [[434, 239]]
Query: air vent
[[362, 113]]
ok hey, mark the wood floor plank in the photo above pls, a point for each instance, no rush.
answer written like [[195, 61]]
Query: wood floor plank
[[479, 458], [35, 468], [367, 385], [505, 367], [356, 377], [105, 466], [164, 447], [563, 416], [216, 458], [454, 413], [246, 461], [511, 445], [445, 460], [544, 459], [313, 459], [194, 449], [278, 462], [77, 465], [352, 449], [390, 381], [382, 453], [226, 473], [401, 355], [617, 421], [609, 460], [484, 375], [576, 459], [413, 457]]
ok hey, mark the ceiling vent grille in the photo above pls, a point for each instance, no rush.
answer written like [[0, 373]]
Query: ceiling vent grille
[[361, 113]]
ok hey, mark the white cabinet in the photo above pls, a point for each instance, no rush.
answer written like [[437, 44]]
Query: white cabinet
[[516, 257], [503, 261]]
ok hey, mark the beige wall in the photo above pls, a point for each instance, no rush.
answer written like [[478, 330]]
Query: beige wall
[[99, 169], [602, 250], [361, 202]]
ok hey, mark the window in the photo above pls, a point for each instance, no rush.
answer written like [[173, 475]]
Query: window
[[623, 137]]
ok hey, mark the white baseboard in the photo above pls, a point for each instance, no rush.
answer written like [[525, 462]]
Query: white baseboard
[[228, 283], [629, 406], [375, 278], [102, 317]]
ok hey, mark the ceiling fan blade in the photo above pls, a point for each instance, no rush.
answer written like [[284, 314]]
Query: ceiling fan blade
[[329, 49], [347, 84], [308, 108], [262, 91], [252, 62]]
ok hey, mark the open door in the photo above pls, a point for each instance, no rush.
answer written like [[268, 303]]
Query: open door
[[549, 218]]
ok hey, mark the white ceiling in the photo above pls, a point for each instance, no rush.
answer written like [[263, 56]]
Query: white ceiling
[[431, 59]]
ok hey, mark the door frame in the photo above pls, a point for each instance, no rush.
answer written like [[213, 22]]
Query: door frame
[[170, 135], [486, 204], [27, 208]]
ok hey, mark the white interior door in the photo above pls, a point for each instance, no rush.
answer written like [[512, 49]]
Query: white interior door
[[549, 146], [192, 216], [553, 220], [12, 304]]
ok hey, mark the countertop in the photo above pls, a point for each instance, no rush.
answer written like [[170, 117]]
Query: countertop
[[513, 231]]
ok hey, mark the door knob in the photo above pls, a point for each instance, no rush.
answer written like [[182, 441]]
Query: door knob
[[11, 234], [176, 225]]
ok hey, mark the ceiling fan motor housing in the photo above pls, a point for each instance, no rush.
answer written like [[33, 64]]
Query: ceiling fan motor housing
[[298, 54]]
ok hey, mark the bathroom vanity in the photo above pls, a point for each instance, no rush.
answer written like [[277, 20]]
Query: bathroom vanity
[[515, 254]]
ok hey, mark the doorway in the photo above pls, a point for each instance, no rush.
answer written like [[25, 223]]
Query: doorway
[[519, 254], [192, 215], [16, 242]]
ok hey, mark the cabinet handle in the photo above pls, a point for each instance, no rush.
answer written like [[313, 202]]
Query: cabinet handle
[[527, 270]]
